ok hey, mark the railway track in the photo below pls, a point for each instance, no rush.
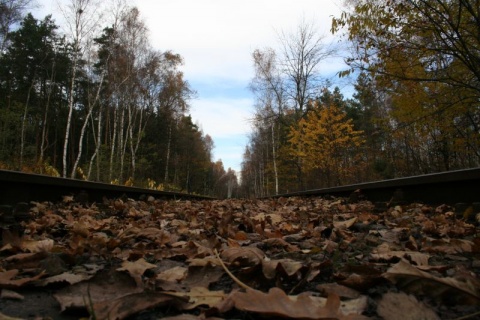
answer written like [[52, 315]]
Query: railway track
[[453, 187], [18, 187]]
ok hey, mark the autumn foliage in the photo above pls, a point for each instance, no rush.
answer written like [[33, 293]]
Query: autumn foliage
[[326, 140]]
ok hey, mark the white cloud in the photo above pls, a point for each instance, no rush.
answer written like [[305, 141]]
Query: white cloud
[[223, 117]]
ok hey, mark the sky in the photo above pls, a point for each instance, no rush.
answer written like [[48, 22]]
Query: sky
[[216, 39]]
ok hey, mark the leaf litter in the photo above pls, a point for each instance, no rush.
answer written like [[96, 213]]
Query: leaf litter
[[290, 258]]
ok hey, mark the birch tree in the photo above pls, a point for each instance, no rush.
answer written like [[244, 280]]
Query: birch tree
[[82, 19]]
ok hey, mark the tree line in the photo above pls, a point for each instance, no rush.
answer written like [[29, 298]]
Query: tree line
[[414, 109], [98, 102]]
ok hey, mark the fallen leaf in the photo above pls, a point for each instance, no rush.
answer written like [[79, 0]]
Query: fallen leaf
[[5, 317], [339, 290], [125, 306], [7, 279], [136, 269], [106, 285], [400, 306], [344, 224], [34, 246], [199, 296], [174, 274], [68, 277], [420, 259], [9, 294], [203, 276], [406, 276], [243, 256], [277, 303], [285, 267]]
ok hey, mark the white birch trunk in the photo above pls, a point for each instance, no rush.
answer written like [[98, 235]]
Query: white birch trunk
[[84, 128]]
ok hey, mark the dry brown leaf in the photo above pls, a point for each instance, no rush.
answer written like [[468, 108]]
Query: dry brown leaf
[[410, 278], [174, 274], [190, 317], [449, 246], [9, 294], [277, 303], [68, 277], [203, 276], [285, 267], [199, 296], [345, 224], [122, 307], [34, 246], [420, 259], [243, 256], [339, 290], [136, 269], [400, 306], [7, 279], [5, 317], [106, 285]]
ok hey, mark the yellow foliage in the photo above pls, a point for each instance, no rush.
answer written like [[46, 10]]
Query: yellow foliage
[[81, 173], [325, 140], [50, 170], [151, 184], [129, 182]]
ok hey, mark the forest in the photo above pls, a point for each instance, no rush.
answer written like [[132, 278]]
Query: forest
[[100, 103], [415, 67]]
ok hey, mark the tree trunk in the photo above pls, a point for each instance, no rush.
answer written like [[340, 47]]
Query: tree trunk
[[70, 112], [274, 156], [84, 127], [24, 120], [165, 180], [114, 141]]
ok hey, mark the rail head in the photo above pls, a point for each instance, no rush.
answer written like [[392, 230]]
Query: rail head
[[444, 187], [19, 186]]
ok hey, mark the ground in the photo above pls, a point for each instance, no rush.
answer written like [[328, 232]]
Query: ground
[[297, 258]]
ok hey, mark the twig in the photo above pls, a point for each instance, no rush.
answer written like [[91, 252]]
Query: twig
[[468, 316], [235, 279]]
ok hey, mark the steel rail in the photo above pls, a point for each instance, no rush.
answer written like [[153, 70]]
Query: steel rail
[[449, 187], [24, 187]]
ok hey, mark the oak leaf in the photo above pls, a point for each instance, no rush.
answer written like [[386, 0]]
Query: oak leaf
[[277, 303], [7, 279], [406, 276]]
